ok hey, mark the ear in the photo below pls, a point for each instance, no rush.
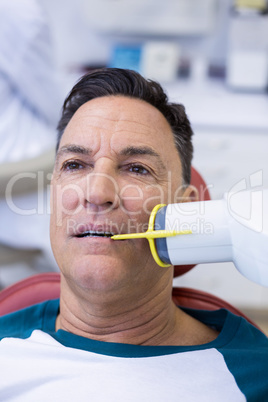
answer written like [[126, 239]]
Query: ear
[[190, 194]]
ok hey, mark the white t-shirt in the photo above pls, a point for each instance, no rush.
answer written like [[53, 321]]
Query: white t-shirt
[[39, 364]]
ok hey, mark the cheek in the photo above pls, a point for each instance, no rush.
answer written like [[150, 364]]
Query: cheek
[[66, 199], [139, 201], [132, 198], [64, 204], [137, 204]]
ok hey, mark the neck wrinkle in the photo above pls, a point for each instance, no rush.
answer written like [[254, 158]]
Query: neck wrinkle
[[150, 321]]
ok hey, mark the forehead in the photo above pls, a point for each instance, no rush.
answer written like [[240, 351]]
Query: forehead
[[118, 120]]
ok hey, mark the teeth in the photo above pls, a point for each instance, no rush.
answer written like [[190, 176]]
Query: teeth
[[95, 234]]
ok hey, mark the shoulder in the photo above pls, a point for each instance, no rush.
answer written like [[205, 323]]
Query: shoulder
[[21, 323], [244, 350], [246, 356], [235, 332]]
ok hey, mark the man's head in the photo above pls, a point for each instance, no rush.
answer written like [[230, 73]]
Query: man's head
[[112, 82], [116, 160]]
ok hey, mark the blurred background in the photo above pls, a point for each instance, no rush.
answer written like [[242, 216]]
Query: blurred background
[[210, 55]]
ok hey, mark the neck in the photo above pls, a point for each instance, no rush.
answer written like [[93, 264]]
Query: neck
[[143, 319], [152, 319]]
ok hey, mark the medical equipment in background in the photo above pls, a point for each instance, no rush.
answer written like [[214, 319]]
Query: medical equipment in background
[[232, 229], [247, 57]]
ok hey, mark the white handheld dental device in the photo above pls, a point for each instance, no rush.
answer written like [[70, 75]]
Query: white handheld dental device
[[232, 229]]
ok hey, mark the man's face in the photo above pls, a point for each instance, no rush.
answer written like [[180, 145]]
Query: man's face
[[116, 161]]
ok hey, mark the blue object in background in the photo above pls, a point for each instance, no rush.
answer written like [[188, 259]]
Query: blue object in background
[[126, 57]]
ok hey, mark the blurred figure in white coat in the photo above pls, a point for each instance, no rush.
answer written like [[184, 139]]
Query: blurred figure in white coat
[[29, 91], [30, 102]]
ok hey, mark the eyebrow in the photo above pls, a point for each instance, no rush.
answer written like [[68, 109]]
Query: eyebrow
[[133, 151], [72, 149]]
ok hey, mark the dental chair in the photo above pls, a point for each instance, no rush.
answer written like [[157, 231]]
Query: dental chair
[[24, 182], [45, 286]]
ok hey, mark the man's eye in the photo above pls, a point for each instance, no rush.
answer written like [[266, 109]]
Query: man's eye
[[138, 169], [72, 165]]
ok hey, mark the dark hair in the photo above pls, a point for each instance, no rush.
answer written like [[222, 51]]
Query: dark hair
[[115, 81]]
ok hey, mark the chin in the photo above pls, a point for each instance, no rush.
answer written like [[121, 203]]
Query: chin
[[97, 273]]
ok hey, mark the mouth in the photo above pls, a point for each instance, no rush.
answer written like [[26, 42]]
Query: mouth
[[91, 233]]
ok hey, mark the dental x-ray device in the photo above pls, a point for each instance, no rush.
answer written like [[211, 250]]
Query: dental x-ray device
[[232, 229]]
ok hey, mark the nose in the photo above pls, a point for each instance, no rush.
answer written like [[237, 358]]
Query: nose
[[102, 190]]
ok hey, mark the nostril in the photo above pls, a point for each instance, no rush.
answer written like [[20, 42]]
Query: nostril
[[103, 200], [102, 188]]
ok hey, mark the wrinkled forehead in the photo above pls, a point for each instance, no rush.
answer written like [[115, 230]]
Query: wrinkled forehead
[[110, 111], [117, 118]]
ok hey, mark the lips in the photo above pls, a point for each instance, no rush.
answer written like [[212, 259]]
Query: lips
[[96, 230], [82, 230], [92, 233]]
